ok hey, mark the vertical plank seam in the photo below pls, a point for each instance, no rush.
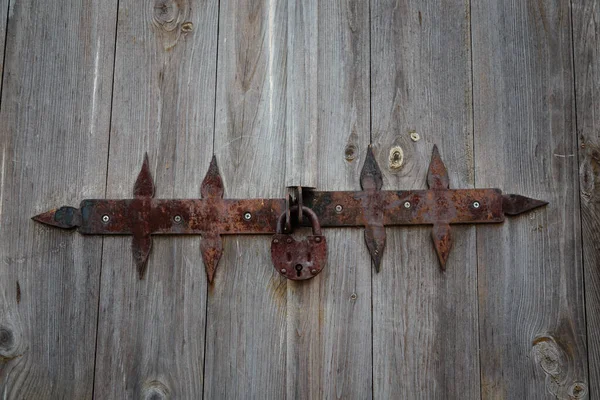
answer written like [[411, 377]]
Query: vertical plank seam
[[213, 152], [577, 183], [4, 54], [370, 141], [110, 119], [216, 77], [475, 186]]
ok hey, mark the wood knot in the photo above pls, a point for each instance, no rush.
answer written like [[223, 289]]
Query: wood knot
[[7, 339], [396, 158], [553, 360], [166, 14], [9, 344], [169, 19], [350, 152], [155, 390]]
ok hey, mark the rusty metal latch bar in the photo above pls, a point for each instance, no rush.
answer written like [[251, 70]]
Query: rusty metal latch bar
[[212, 216]]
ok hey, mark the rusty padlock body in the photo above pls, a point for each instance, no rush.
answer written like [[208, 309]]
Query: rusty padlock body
[[299, 259]]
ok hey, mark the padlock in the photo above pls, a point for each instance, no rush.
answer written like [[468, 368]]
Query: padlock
[[299, 259]]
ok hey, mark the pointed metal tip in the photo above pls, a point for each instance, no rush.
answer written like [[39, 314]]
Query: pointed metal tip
[[141, 268], [211, 248], [437, 174], [370, 175], [140, 248], [515, 204], [442, 240], [45, 218], [375, 240], [64, 217], [144, 184], [376, 262], [210, 275], [212, 185]]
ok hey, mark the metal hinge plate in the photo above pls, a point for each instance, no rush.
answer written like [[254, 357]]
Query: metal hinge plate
[[212, 216]]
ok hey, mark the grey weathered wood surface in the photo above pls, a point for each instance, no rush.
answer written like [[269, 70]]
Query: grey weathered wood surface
[[329, 341], [586, 39], [531, 299], [151, 331], [54, 126], [425, 335], [246, 315], [288, 93]]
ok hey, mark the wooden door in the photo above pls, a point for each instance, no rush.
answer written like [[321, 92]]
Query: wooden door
[[288, 93]]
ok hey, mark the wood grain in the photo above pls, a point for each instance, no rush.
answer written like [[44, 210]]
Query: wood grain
[[302, 107], [531, 302], [424, 320], [329, 341], [54, 126], [151, 331], [246, 316], [586, 41]]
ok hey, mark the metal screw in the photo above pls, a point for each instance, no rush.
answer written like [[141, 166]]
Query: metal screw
[[313, 271], [276, 241], [177, 219], [105, 218], [476, 204], [407, 204], [415, 136], [283, 271], [338, 208], [247, 216], [318, 239]]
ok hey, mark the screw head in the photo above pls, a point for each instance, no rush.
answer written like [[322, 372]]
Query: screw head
[[283, 271], [177, 219], [275, 241], [338, 208], [407, 204], [313, 271], [105, 218], [476, 204], [247, 216], [318, 239]]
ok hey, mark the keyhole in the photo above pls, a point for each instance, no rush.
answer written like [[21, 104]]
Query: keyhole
[[298, 269]]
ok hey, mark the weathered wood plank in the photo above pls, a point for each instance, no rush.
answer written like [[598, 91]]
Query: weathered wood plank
[[532, 319], [302, 112], [151, 332], [586, 39], [54, 126], [329, 347], [424, 321], [246, 316]]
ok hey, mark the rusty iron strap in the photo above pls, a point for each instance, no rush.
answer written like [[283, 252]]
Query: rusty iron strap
[[213, 216]]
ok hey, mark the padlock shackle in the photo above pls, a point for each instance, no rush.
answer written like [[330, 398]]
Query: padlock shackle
[[314, 220]]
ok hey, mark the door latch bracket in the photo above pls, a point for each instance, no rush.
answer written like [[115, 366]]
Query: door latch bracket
[[213, 216]]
